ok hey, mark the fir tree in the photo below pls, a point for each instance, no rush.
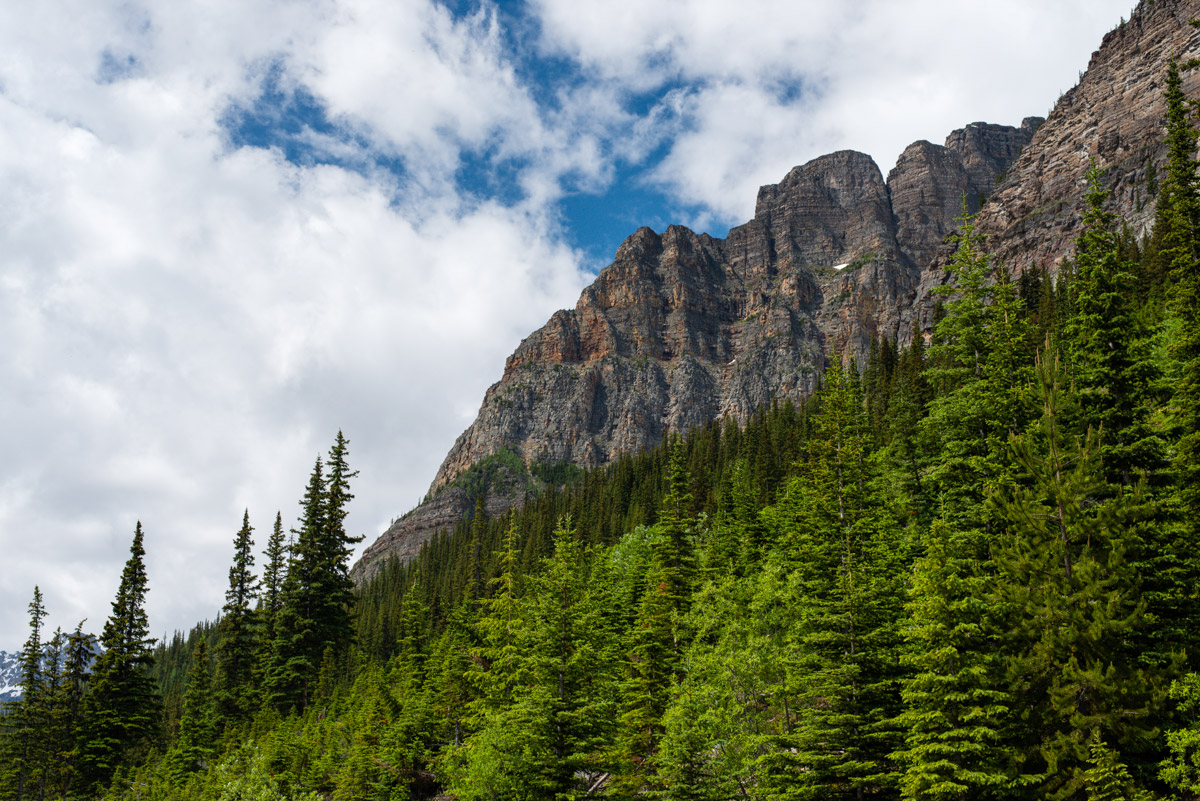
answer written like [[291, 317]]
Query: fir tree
[[1113, 371], [237, 635], [120, 711], [956, 706], [846, 554]]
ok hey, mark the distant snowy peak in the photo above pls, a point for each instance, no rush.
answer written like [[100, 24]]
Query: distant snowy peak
[[10, 676]]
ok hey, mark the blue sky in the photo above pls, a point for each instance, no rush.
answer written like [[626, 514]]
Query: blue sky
[[229, 229]]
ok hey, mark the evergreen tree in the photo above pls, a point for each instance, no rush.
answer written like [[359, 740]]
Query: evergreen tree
[[237, 632], [551, 741], [1114, 374], [198, 724], [317, 594], [1178, 226], [271, 598], [657, 639], [846, 555], [25, 717], [1071, 604], [981, 347], [956, 706], [337, 546], [297, 649], [120, 711]]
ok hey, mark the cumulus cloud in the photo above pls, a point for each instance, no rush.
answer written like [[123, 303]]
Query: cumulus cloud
[[759, 87], [188, 323]]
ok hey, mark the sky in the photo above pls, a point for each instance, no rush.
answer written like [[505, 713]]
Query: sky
[[229, 229]]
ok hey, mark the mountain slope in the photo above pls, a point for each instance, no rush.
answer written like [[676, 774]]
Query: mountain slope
[[683, 328]]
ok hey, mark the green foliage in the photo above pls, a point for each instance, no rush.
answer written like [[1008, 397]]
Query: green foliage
[[121, 708], [1070, 602], [238, 632]]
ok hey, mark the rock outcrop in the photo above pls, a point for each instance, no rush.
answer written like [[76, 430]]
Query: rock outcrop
[[1114, 115], [683, 328]]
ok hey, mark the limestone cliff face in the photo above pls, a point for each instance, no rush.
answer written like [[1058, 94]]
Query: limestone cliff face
[[683, 328], [1113, 115]]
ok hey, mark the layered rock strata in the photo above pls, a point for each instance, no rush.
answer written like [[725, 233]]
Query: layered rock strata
[[683, 328]]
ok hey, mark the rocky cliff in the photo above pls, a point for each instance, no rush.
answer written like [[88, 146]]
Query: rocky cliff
[[1114, 115], [682, 327]]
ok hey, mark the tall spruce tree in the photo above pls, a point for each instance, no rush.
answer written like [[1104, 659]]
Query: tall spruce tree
[[121, 710], [845, 553], [237, 632], [297, 649], [956, 704], [1178, 226], [656, 642], [198, 723], [337, 546], [23, 719], [1114, 373], [271, 599], [978, 366]]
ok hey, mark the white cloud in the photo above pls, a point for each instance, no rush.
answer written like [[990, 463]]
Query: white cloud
[[872, 76], [187, 325]]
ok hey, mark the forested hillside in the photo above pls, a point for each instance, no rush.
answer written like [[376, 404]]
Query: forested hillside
[[965, 569]]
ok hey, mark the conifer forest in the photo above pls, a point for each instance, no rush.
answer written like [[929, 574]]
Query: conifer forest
[[964, 569]]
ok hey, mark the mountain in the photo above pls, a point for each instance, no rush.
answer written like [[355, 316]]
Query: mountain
[[683, 328]]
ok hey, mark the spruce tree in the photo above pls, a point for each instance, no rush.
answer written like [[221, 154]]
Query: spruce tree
[[237, 632], [120, 712], [1113, 371], [956, 704], [337, 546], [24, 718], [271, 598], [1178, 227], [297, 649], [846, 555]]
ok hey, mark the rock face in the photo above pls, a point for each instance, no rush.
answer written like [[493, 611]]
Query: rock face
[[1113, 115], [683, 328]]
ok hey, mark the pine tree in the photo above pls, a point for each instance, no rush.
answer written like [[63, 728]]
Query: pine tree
[[120, 712], [237, 632]]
